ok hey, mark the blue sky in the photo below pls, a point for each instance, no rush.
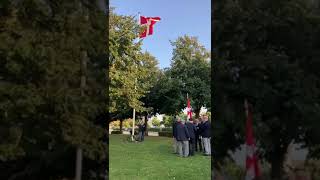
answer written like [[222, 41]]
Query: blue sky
[[178, 18]]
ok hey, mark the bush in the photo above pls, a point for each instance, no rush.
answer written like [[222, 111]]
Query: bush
[[166, 134], [116, 132], [158, 129], [127, 123], [155, 122], [167, 120], [115, 124]]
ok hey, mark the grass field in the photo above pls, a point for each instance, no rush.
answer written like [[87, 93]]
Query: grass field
[[153, 160]]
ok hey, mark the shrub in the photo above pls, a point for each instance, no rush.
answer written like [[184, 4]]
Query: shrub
[[155, 122], [116, 132], [167, 121], [165, 134], [115, 124], [126, 123]]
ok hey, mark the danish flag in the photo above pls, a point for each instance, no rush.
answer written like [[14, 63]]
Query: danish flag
[[252, 168], [148, 22], [189, 110]]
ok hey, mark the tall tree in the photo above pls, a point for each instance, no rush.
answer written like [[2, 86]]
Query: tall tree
[[264, 53], [132, 72], [189, 74], [42, 114]]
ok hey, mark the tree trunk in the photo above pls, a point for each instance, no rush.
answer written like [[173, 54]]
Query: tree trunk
[[146, 123], [197, 112], [121, 122], [83, 69], [277, 160]]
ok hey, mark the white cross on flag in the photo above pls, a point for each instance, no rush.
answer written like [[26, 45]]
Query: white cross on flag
[[148, 22]]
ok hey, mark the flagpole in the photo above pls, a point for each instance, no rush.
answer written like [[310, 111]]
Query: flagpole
[[135, 88]]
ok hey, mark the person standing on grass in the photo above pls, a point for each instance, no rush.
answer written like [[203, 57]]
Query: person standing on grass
[[174, 136], [200, 130], [142, 129], [197, 136], [183, 137], [206, 135], [192, 133]]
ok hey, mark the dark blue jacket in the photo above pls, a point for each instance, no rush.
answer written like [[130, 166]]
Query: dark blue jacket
[[174, 132], [182, 133], [142, 127], [200, 128], [197, 129], [206, 129], [192, 130]]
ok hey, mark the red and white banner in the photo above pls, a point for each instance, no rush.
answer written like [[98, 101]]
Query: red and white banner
[[252, 168], [148, 22], [189, 109]]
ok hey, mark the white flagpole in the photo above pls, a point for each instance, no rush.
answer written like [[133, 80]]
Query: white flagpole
[[135, 88]]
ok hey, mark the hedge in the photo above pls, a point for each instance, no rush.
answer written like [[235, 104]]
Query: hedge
[[158, 129], [165, 134], [116, 132]]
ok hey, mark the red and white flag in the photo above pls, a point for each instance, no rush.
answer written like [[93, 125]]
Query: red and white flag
[[148, 22], [252, 168], [189, 109]]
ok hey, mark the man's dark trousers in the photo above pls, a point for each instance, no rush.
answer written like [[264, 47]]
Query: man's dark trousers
[[198, 142], [192, 146]]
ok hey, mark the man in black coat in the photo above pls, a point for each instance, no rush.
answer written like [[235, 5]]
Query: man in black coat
[[192, 133], [174, 135], [206, 135], [183, 137], [142, 129], [197, 139], [200, 130]]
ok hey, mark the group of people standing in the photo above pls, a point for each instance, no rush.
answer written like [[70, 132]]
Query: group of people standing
[[189, 135]]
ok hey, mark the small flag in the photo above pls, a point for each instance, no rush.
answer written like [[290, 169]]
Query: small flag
[[252, 169], [189, 110], [148, 22]]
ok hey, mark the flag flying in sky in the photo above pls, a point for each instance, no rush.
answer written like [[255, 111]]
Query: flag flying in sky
[[148, 23], [252, 168]]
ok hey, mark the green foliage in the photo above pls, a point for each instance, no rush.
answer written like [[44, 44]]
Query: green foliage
[[116, 132], [189, 73], [167, 121], [115, 124], [155, 121], [127, 123], [131, 72], [42, 116], [266, 52]]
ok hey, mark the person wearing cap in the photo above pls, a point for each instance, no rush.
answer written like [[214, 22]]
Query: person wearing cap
[[192, 133], [183, 137], [206, 135]]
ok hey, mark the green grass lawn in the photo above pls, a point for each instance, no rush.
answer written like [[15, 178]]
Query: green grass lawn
[[153, 160]]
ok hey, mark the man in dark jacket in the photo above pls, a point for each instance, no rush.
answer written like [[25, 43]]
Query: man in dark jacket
[[197, 139], [192, 133], [174, 135], [182, 136], [206, 135], [200, 130], [142, 129]]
